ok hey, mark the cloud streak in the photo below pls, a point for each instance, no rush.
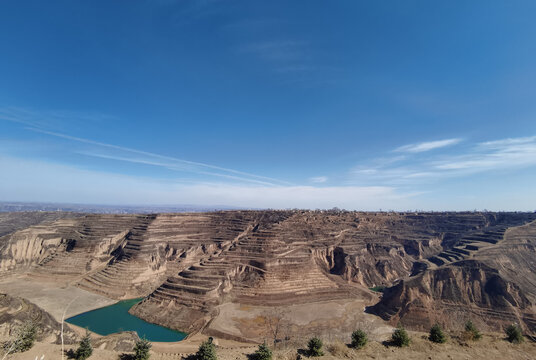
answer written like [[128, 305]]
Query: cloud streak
[[40, 122], [508, 142], [319, 179], [501, 154], [427, 146], [173, 166], [494, 155], [46, 119], [171, 162]]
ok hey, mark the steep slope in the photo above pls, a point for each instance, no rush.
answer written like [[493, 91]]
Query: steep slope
[[161, 247], [67, 248], [496, 283]]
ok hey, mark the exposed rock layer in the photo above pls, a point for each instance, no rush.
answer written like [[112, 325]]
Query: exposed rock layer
[[188, 265], [497, 284]]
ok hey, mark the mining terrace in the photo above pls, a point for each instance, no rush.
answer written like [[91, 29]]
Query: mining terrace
[[234, 274]]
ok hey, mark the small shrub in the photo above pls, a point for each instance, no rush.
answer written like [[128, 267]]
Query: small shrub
[[471, 332], [437, 335], [263, 353], [359, 339], [514, 334], [206, 351], [84, 349], [141, 349], [315, 347], [400, 337], [24, 338]]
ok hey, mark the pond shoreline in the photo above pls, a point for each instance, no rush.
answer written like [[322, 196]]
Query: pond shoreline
[[116, 318]]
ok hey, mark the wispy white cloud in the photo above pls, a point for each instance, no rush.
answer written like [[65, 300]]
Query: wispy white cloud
[[501, 154], [508, 142], [174, 166], [427, 146], [318, 179], [11, 115], [49, 118], [414, 175], [40, 122], [494, 155], [62, 183], [365, 171], [392, 175], [176, 163]]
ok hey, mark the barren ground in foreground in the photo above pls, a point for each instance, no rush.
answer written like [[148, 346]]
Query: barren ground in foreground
[[491, 347]]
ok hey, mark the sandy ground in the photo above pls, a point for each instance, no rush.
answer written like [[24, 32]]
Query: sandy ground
[[299, 321], [53, 297]]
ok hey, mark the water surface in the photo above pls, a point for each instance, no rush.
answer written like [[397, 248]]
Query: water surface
[[115, 318]]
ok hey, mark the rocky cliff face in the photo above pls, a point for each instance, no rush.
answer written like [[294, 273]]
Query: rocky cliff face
[[494, 285], [187, 266], [452, 295], [66, 247], [29, 246]]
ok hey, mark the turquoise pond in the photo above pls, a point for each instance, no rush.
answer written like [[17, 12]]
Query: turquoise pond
[[115, 318]]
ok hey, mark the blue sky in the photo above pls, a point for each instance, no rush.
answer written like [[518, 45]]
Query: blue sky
[[357, 104]]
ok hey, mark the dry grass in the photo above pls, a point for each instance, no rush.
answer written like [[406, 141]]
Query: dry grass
[[285, 354], [339, 349]]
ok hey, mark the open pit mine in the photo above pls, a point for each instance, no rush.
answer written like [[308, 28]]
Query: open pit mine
[[240, 275]]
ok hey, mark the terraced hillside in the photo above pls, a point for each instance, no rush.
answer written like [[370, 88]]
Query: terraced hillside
[[192, 267], [488, 274]]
